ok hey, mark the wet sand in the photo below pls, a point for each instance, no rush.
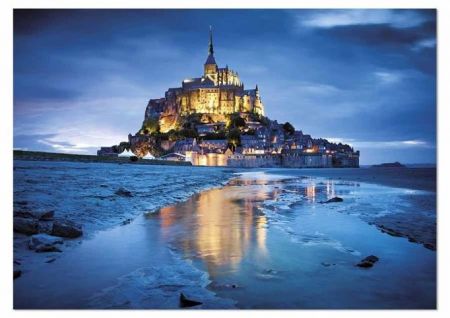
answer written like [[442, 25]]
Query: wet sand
[[262, 241]]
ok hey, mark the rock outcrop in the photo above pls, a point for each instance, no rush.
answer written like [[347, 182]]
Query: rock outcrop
[[66, 228], [124, 193], [334, 200], [185, 302], [26, 226], [368, 262]]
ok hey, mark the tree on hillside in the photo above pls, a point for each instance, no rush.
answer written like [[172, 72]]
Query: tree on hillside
[[236, 121], [151, 125], [288, 128], [234, 138]]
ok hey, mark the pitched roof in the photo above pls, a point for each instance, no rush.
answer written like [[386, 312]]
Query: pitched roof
[[210, 59]]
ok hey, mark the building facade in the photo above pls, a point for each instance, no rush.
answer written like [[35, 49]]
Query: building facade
[[219, 91]]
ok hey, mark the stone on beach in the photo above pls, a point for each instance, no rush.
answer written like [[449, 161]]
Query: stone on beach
[[17, 274], [185, 302], [127, 221], [26, 226], [66, 228], [39, 242], [124, 193], [335, 199], [368, 262]]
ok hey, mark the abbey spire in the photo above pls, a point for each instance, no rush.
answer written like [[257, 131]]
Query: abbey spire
[[210, 49], [210, 60]]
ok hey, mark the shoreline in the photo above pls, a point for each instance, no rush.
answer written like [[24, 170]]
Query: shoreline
[[394, 177], [407, 178], [53, 156], [100, 190]]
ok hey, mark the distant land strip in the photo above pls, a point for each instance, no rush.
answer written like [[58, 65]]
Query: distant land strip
[[53, 156]]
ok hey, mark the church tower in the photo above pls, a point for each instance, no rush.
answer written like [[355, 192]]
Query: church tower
[[210, 67]]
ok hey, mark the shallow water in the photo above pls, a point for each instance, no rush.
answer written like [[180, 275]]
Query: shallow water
[[262, 241], [85, 192]]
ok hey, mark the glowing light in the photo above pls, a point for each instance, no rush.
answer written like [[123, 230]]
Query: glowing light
[[311, 192]]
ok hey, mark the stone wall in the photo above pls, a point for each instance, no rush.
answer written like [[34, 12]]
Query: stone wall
[[307, 161], [254, 161]]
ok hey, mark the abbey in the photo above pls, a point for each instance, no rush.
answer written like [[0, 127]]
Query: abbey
[[213, 121], [219, 91]]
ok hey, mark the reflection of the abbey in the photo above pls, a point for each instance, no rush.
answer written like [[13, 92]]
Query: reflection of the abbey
[[220, 225]]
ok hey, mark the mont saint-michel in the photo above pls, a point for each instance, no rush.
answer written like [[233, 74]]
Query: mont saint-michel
[[213, 120], [240, 186]]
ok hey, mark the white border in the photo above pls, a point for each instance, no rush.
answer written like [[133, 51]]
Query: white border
[[6, 115]]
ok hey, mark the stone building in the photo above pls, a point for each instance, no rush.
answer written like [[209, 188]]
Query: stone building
[[219, 91], [216, 122]]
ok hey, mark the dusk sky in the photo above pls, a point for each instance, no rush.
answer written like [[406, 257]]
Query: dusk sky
[[82, 78]]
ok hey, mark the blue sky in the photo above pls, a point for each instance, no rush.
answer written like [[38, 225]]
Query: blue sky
[[82, 78]]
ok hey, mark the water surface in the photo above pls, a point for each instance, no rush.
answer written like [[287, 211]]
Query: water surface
[[262, 241]]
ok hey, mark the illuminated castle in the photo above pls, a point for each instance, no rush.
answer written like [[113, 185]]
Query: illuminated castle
[[219, 92]]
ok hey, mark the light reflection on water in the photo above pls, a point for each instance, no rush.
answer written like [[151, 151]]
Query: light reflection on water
[[312, 189], [219, 226], [225, 233], [311, 192]]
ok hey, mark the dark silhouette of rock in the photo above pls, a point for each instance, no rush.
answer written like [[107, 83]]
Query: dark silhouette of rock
[[26, 226], [185, 302], [364, 264], [17, 274], [389, 231], [335, 199], [127, 221], [372, 258], [368, 262], [66, 228], [389, 165], [124, 192], [430, 246]]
